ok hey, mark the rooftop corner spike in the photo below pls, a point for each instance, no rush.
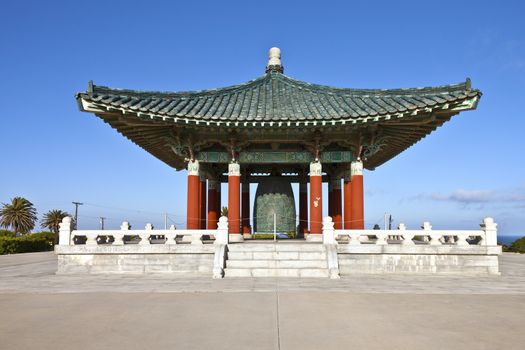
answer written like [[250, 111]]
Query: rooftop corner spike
[[274, 62]]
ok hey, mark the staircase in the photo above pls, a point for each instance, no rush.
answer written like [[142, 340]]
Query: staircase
[[281, 259]]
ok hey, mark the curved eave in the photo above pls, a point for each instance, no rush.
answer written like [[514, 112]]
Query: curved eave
[[468, 103]]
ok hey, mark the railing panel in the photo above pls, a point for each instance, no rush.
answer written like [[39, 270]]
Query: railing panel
[[487, 235]]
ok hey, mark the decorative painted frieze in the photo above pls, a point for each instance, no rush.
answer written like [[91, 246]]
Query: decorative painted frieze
[[254, 157]]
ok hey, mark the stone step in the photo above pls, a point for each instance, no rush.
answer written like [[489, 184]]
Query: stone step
[[276, 247], [290, 272], [287, 255], [277, 264]]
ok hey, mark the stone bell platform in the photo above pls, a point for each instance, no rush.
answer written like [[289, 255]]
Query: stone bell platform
[[336, 253], [180, 259]]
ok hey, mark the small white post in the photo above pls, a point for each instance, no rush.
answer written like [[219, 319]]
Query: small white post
[[427, 228], [144, 237], [64, 232], [328, 231], [118, 237], [407, 237], [221, 235], [170, 236], [491, 232]]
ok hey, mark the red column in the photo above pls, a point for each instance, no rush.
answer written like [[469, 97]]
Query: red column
[[246, 229], [234, 203], [192, 217], [213, 215], [303, 208], [347, 199], [316, 201], [203, 203], [357, 212], [219, 199], [337, 204]]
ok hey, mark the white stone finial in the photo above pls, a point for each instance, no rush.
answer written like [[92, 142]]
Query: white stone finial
[[274, 61], [275, 56]]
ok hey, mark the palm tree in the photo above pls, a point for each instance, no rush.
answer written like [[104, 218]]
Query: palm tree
[[52, 219], [20, 215], [224, 211]]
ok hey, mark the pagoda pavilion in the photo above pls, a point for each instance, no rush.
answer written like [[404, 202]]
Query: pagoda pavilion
[[279, 128]]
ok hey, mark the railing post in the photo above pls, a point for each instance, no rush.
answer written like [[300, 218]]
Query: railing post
[[221, 237], [170, 236], [144, 237], [64, 233], [328, 231], [491, 232], [196, 237], [91, 239], [382, 237], [118, 238], [407, 237]]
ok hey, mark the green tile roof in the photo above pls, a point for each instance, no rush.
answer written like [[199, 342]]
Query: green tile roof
[[278, 100]]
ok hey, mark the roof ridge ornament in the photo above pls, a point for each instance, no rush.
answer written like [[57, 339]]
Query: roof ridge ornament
[[274, 62]]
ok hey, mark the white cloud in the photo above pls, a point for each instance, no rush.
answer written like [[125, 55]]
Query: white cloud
[[466, 197]]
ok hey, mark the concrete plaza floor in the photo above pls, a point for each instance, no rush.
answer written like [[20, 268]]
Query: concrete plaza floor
[[40, 310]]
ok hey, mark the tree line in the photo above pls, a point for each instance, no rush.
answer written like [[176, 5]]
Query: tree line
[[20, 216]]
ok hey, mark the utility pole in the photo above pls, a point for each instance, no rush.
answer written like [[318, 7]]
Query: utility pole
[[102, 222], [165, 221], [76, 212], [388, 221]]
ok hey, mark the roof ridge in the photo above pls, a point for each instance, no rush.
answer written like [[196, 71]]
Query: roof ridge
[[266, 78]]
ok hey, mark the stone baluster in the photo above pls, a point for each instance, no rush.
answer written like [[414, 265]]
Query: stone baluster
[[91, 238], [381, 237], [426, 231], [328, 231], [491, 232], [407, 236], [354, 238], [434, 237], [118, 237], [221, 237], [462, 240], [196, 237], [170, 236], [144, 236]]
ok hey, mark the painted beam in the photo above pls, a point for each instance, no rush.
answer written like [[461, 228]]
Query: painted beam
[[275, 157]]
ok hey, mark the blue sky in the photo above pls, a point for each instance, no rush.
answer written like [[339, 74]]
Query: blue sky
[[53, 154]]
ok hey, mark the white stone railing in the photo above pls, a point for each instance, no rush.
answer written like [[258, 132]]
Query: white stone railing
[[68, 236], [485, 236]]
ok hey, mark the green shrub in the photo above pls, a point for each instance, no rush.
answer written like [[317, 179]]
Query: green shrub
[[7, 233], [517, 246], [35, 242]]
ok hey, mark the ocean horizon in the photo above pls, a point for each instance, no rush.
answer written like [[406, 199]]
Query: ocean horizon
[[508, 239]]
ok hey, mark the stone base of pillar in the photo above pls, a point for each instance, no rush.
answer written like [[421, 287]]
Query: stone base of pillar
[[247, 235], [235, 237], [314, 237]]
